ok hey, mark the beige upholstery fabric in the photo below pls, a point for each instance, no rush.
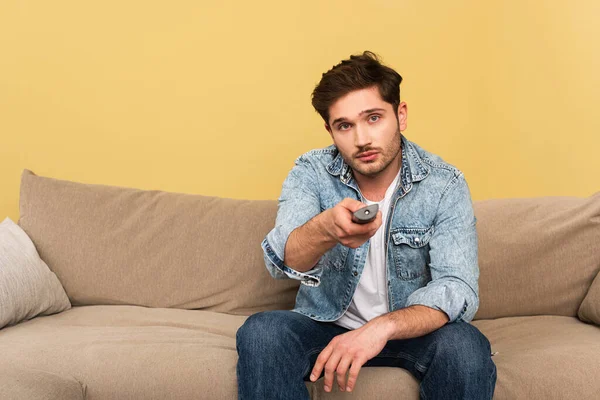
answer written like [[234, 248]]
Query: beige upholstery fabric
[[115, 245], [381, 383], [18, 383], [122, 352], [544, 357], [27, 287], [590, 307], [537, 255], [129, 352]]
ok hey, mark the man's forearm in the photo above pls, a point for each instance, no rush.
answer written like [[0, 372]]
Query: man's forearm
[[307, 244], [410, 322]]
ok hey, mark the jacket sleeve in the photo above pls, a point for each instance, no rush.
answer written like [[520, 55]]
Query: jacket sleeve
[[299, 202], [453, 256]]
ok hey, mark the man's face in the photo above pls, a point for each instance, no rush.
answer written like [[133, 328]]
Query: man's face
[[362, 123]]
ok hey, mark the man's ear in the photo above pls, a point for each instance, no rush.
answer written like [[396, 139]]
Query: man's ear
[[402, 116]]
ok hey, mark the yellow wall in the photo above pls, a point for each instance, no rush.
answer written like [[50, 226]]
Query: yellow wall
[[214, 97]]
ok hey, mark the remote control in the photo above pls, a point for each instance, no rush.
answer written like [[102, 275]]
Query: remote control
[[365, 214]]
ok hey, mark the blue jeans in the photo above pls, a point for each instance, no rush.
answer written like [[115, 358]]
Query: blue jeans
[[278, 349]]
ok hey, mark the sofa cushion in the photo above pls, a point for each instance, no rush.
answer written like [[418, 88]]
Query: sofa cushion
[[116, 245], [27, 287], [544, 357], [130, 352], [121, 352], [590, 306], [29, 383], [536, 255], [381, 383]]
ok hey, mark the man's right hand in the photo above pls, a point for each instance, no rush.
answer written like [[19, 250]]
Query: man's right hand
[[338, 225]]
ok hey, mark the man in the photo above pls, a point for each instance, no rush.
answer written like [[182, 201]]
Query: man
[[399, 291]]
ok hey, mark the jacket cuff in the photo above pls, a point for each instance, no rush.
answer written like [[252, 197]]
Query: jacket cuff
[[274, 261], [444, 297]]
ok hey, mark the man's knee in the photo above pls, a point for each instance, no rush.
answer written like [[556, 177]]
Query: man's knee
[[462, 346], [264, 329]]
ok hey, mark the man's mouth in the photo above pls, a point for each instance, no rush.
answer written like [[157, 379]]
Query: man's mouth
[[367, 156]]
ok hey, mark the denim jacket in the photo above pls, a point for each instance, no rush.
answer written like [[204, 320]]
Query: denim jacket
[[430, 236]]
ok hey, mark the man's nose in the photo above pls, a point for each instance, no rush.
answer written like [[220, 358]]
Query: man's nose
[[362, 136]]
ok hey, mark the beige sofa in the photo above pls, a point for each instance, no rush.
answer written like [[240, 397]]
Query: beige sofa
[[159, 283]]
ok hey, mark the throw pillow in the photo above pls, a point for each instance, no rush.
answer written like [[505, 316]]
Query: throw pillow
[[27, 286], [589, 311]]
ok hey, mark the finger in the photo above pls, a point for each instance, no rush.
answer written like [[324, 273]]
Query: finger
[[342, 370], [352, 204], [353, 375], [330, 368], [321, 360]]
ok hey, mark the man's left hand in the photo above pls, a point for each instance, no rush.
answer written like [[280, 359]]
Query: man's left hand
[[350, 350]]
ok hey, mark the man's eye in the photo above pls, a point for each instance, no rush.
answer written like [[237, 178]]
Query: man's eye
[[343, 127], [374, 118]]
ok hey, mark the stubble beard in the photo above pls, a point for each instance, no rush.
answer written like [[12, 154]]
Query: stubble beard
[[385, 158]]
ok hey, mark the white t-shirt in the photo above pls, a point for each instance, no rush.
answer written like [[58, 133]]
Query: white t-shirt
[[370, 299]]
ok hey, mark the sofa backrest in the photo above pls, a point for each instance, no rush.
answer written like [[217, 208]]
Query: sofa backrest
[[116, 245], [537, 256]]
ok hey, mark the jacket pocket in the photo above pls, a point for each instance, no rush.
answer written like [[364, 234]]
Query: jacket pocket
[[410, 250]]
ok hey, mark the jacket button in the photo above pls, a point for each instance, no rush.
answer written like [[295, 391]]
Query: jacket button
[[355, 273]]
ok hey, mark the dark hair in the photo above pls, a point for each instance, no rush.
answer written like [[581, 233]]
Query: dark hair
[[357, 72]]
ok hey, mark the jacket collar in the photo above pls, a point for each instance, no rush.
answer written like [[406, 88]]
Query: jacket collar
[[413, 168]]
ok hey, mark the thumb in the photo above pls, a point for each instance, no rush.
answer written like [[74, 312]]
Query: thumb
[[352, 204]]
